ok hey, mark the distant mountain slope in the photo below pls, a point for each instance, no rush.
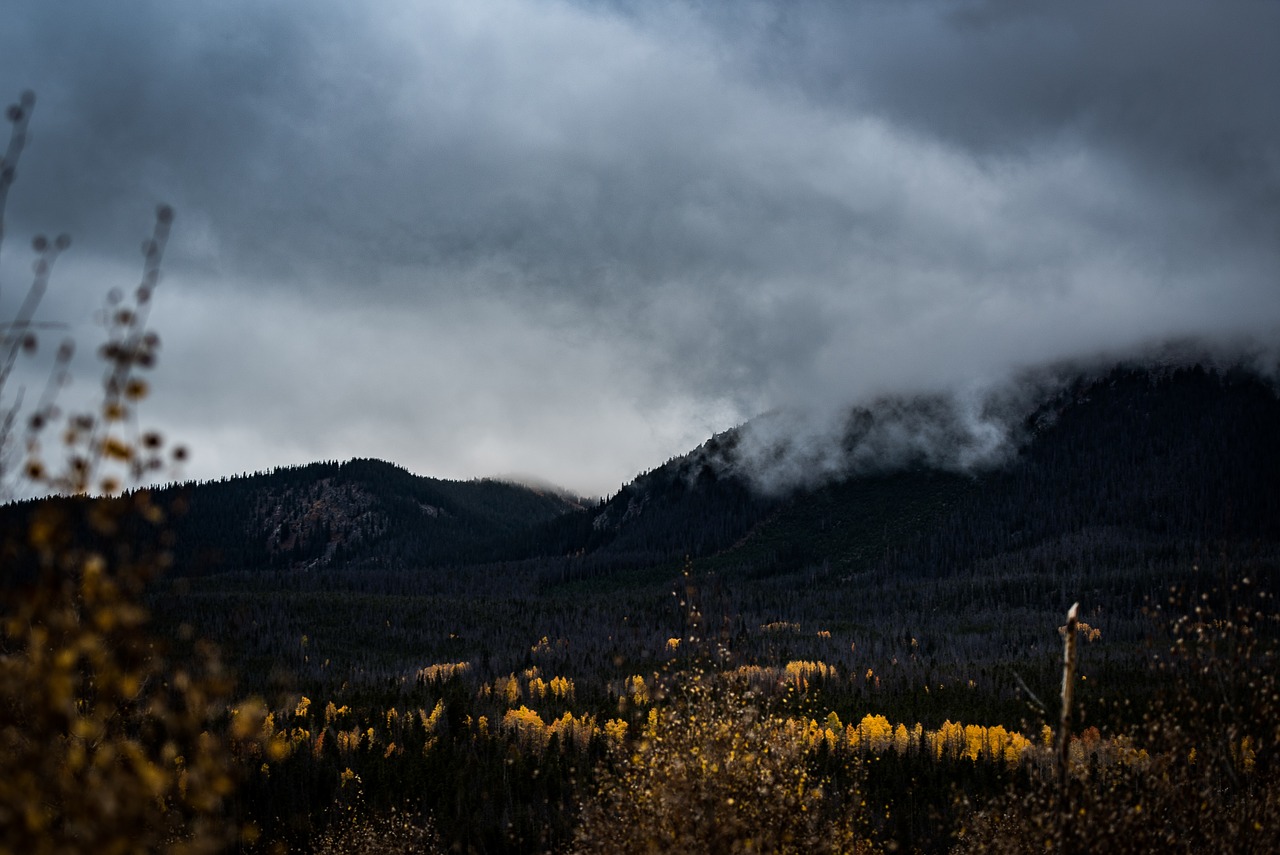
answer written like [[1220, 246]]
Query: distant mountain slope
[[359, 513], [684, 507], [1184, 455], [1184, 461], [1140, 463]]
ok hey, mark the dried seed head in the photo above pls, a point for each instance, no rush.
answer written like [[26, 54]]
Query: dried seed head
[[135, 389]]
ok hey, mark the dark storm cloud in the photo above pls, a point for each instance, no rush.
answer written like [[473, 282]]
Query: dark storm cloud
[[1181, 91], [570, 239]]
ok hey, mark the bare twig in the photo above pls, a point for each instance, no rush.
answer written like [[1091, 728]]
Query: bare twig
[[19, 114], [1039, 704]]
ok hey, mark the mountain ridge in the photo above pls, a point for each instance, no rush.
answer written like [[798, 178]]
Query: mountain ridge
[[1163, 450], [1127, 483], [1118, 427], [360, 512]]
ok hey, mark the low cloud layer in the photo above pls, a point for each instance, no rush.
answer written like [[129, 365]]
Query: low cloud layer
[[970, 428], [570, 240]]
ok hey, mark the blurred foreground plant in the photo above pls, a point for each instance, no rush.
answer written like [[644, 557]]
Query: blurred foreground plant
[[712, 772], [105, 744], [355, 829]]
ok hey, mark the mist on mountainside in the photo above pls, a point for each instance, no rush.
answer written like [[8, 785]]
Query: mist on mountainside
[[968, 429]]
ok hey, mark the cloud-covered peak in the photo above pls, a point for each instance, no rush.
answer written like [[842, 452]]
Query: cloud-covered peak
[[574, 238]]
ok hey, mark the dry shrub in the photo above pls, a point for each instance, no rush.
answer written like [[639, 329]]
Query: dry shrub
[[105, 745], [1210, 780], [710, 772], [356, 830]]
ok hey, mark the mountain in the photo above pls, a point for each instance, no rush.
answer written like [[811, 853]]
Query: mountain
[[1183, 455], [358, 514], [1114, 488], [1169, 458]]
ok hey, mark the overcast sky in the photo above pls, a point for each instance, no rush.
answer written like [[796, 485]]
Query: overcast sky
[[572, 239]]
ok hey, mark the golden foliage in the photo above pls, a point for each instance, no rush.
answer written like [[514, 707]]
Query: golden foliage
[[711, 773], [637, 690], [104, 745], [443, 671]]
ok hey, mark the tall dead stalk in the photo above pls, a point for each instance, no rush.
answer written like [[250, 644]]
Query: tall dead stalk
[[1064, 730]]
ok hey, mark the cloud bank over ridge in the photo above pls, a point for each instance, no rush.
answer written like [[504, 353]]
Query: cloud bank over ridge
[[572, 239]]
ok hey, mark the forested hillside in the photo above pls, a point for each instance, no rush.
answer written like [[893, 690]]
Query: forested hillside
[[1179, 455], [1126, 484], [358, 514], [468, 651]]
